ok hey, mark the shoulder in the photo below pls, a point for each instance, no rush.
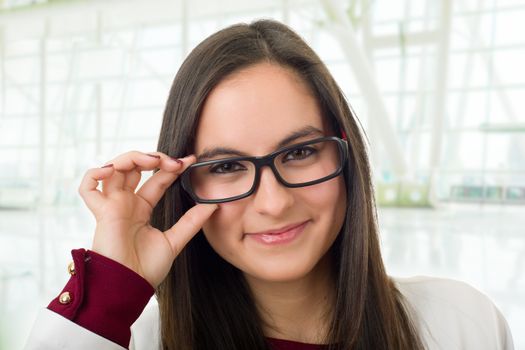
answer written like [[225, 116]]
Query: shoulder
[[453, 315], [426, 292]]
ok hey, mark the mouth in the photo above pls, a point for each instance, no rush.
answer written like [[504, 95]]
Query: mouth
[[279, 236]]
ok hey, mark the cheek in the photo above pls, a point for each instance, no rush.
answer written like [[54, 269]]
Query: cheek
[[327, 197], [327, 204]]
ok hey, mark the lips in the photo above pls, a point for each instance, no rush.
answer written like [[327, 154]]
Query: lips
[[279, 236]]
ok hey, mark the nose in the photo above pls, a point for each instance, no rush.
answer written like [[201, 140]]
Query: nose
[[271, 197]]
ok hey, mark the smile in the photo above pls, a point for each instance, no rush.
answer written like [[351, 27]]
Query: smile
[[280, 236]]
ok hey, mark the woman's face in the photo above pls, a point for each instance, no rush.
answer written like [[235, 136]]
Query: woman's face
[[252, 111]]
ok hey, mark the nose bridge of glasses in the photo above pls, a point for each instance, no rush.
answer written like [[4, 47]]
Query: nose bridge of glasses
[[267, 161]]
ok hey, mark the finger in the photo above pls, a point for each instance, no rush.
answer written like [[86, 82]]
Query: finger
[[129, 164], [154, 188], [88, 186], [114, 182], [188, 225], [166, 163]]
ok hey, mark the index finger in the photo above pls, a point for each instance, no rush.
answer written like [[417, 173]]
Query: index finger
[[154, 188]]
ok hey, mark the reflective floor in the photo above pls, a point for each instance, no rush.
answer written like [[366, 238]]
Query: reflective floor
[[481, 245]]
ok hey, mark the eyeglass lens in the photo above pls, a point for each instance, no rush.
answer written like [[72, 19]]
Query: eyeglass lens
[[230, 178]]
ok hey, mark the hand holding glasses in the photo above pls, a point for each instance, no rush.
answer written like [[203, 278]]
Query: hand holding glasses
[[122, 211]]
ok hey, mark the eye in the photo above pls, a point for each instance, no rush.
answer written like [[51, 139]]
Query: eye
[[227, 167], [299, 153]]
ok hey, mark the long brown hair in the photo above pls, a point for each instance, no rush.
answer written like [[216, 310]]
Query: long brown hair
[[205, 302]]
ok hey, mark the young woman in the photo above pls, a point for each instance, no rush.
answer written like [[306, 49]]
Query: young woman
[[257, 230]]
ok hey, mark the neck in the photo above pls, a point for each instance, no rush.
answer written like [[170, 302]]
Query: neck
[[297, 310]]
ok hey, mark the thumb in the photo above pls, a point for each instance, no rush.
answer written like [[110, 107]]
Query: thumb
[[188, 225]]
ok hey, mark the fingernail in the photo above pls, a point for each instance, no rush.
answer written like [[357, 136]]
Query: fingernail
[[177, 160], [153, 155], [107, 165]]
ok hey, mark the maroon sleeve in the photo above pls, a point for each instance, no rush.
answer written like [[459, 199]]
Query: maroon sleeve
[[102, 296], [281, 344]]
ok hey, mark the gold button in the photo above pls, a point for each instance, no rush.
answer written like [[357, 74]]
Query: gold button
[[71, 268], [65, 298]]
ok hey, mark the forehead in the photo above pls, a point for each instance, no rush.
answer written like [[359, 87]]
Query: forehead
[[256, 108]]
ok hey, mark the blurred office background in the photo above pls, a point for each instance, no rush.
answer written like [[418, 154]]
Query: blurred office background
[[439, 86]]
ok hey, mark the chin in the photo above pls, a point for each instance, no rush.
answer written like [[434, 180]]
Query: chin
[[279, 274]]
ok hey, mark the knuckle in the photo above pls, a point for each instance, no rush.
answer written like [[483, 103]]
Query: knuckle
[[131, 153], [90, 174], [162, 179], [158, 187], [123, 157], [189, 219], [87, 175], [135, 153], [176, 248], [162, 184]]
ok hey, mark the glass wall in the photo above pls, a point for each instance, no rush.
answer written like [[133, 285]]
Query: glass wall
[[437, 85]]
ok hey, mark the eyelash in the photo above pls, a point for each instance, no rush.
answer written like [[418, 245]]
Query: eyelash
[[311, 151], [219, 168], [213, 169]]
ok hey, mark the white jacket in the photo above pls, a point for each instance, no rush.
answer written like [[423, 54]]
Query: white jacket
[[449, 314]]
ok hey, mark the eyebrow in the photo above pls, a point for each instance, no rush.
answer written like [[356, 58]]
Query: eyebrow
[[226, 151]]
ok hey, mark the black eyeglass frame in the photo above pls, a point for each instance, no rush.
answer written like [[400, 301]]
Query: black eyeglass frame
[[267, 160]]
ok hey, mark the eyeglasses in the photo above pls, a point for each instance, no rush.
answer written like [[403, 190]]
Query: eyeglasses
[[229, 179]]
